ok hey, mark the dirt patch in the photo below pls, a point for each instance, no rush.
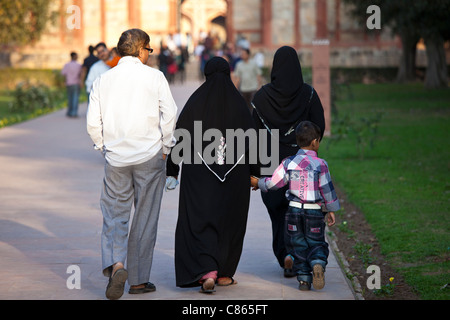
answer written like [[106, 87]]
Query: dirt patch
[[358, 245]]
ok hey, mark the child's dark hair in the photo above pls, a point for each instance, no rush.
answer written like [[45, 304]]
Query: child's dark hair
[[306, 132]]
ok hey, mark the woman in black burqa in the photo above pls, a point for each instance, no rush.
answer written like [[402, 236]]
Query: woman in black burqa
[[283, 104], [214, 198]]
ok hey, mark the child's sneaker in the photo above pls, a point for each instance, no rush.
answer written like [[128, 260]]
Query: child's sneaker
[[318, 277], [304, 286], [288, 265]]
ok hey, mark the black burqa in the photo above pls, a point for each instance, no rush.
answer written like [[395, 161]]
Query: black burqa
[[286, 101], [283, 104], [214, 198]]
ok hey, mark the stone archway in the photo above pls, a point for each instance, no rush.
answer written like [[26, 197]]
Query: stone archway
[[218, 28], [199, 17]]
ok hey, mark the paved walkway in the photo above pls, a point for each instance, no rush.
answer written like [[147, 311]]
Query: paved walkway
[[50, 182]]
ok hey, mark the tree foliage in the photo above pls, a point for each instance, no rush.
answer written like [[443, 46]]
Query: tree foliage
[[23, 21], [413, 20], [424, 17]]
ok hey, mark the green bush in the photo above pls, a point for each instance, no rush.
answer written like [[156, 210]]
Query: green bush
[[28, 98]]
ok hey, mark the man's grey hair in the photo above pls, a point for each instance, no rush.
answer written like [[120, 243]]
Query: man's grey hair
[[131, 41]]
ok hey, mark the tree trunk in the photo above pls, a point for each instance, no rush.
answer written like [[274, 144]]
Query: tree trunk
[[407, 67], [436, 75], [5, 58]]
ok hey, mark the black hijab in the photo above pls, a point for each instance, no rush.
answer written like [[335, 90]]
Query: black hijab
[[287, 100], [218, 105]]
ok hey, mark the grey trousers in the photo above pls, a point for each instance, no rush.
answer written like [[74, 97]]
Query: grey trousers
[[141, 185]]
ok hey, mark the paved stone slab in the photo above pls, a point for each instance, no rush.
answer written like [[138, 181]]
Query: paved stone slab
[[50, 182]]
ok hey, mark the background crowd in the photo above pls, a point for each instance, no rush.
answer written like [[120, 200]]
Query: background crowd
[[174, 54]]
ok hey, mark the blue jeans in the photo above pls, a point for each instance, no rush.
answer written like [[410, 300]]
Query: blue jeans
[[73, 95], [305, 240]]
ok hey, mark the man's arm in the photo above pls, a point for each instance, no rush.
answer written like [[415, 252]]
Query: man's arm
[[83, 76], [237, 76], [258, 75], [92, 75], [94, 117], [168, 110]]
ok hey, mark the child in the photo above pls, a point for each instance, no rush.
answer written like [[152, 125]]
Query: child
[[310, 187]]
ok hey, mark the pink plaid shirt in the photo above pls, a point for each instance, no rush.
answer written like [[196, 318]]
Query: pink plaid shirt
[[308, 178]]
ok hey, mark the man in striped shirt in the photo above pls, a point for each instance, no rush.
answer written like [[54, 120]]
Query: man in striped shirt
[[310, 189]]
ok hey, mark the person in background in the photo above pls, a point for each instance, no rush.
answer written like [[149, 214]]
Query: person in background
[[247, 77], [87, 64], [72, 74], [115, 57], [259, 59], [99, 67]]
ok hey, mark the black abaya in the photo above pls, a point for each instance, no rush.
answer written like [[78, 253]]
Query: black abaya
[[212, 213], [283, 104]]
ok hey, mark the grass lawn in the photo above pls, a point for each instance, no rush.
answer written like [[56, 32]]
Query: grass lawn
[[402, 184]]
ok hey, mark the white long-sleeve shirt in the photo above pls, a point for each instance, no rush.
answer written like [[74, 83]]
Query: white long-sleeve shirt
[[96, 71], [131, 113]]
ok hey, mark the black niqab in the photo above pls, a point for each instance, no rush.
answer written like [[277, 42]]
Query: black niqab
[[286, 77], [287, 100]]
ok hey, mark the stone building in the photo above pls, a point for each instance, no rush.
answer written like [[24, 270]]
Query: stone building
[[267, 24]]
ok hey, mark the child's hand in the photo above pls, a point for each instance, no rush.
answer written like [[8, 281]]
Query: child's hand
[[254, 182], [171, 183], [331, 219]]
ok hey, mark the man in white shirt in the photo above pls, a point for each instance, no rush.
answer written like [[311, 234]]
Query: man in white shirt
[[131, 119], [99, 67]]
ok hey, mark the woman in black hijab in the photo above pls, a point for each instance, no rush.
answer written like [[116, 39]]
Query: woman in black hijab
[[214, 197], [283, 104]]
